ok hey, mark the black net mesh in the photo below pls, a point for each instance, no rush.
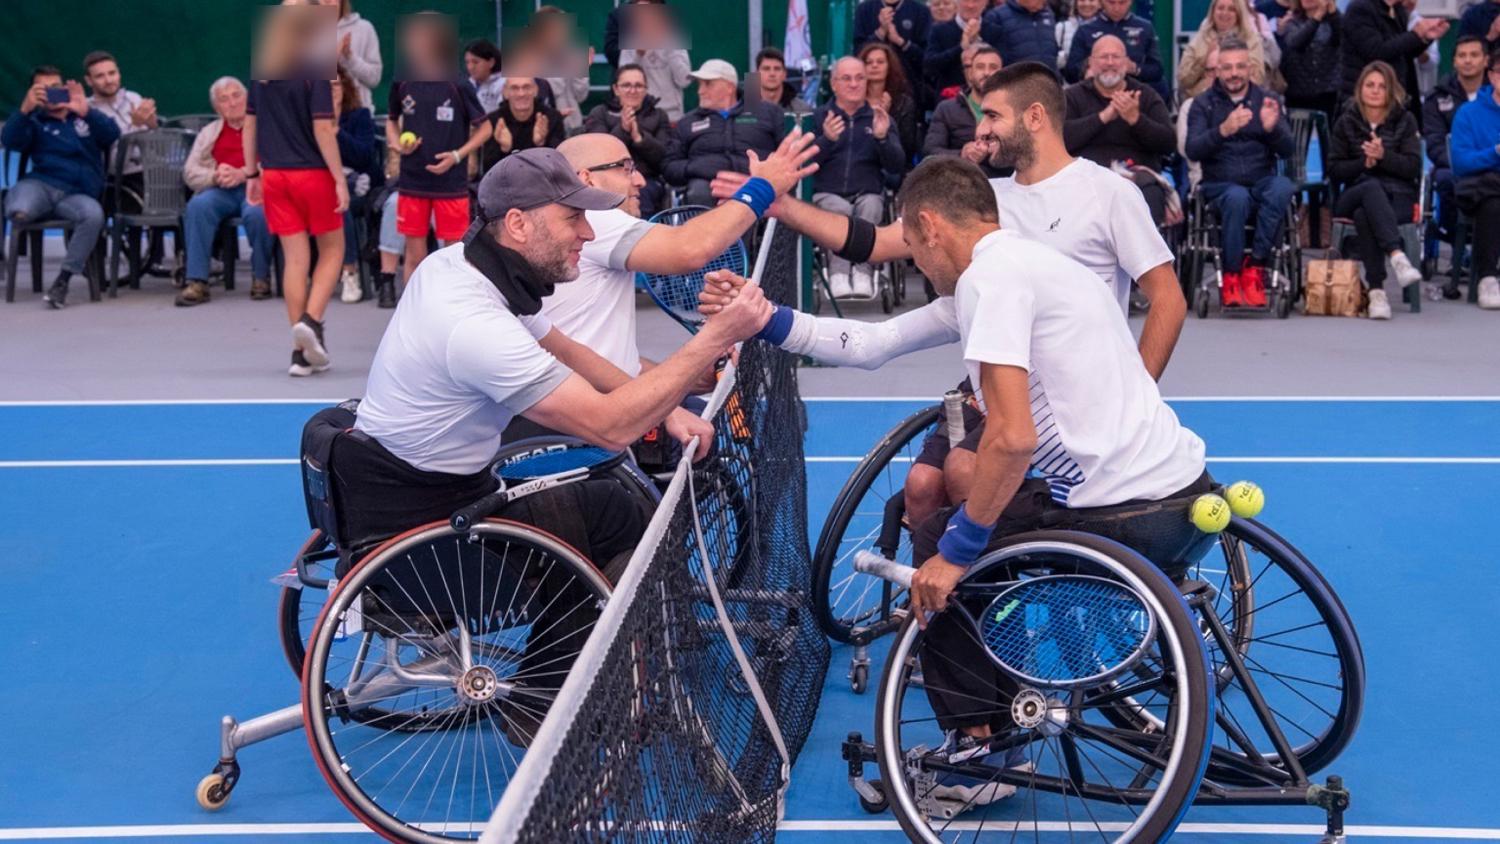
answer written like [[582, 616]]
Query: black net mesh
[[667, 743]]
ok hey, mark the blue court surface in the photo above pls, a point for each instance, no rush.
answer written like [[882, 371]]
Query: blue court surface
[[139, 541]]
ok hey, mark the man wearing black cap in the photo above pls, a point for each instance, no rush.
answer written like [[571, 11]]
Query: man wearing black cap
[[466, 351]]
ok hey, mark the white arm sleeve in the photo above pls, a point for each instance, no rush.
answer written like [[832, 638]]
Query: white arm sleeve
[[868, 345]]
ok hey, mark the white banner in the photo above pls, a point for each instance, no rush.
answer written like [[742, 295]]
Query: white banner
[[798, 48]]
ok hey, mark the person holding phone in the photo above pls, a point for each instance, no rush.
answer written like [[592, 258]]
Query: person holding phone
[[66, 140]]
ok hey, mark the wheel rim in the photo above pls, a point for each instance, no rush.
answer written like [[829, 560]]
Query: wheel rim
[[300, 604]]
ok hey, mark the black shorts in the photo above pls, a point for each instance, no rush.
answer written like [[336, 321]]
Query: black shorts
[[935, 447]]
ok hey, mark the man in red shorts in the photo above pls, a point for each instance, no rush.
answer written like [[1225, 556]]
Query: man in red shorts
[[292, 162], [442, 120]]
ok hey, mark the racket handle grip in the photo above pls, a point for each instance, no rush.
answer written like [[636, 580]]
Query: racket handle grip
[[465, 518], [953, 416], [868, 563]]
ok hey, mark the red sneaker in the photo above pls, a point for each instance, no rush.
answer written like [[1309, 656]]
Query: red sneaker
[[1253, 290], [1229, 294]]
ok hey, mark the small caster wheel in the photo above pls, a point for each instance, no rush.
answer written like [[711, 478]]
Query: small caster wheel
[[887, 300], [1283, 306], [878, 806], [859, 678], [1200, 303], [213, 792]]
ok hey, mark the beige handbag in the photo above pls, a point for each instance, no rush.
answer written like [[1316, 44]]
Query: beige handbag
[[1333, 289]]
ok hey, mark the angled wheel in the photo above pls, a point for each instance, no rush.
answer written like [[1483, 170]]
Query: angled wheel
[[300, 602]]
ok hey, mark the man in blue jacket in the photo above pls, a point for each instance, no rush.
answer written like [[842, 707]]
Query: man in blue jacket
[[1139, 35], [1476, 163], [1236, 130], [719, 133], [66, 141], [1438, 111], [858, 158], [1023, 31], [948, 42]]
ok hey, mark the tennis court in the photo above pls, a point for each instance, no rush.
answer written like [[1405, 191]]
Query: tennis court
[[140, 539]]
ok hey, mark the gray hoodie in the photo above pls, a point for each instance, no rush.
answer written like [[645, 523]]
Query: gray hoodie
[[363, 62]]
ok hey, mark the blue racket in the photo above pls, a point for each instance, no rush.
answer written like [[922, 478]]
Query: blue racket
[[678, 294], [1061, 631]]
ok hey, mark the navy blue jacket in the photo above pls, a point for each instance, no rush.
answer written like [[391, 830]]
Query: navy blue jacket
[[944, 62], [1140, 46], [1022, 36], [1248, 155], [359, 149], [1372, 30], [67, 154], [1477, 18], [914, 22], [857, 163], [706, 141], [1438, 111]]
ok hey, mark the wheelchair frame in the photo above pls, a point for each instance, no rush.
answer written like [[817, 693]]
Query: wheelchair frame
[[1200, 247], [890, 277]]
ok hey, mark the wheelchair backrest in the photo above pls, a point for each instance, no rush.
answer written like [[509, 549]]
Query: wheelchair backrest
[[318, 436]]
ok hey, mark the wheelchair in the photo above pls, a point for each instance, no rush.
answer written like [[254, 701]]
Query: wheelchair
[[890, 277], [427, 664], [1200, 248], [1126, 689]]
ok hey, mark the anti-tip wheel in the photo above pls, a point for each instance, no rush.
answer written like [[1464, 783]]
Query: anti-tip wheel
[[875, 807], [212, 792]]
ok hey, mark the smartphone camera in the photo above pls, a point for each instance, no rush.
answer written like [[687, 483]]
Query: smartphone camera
[[58, 95]]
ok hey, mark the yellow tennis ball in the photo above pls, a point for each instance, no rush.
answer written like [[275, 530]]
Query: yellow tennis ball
[[1210, 513], [408, 138], [1245, 499]]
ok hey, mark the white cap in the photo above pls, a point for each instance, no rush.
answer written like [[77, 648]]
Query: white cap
[[717, 69]]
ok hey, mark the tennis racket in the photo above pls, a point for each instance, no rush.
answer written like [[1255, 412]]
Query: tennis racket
[[678, 294]]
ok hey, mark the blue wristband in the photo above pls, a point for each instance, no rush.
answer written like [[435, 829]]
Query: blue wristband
[[778, 327], [964, 540], [758, 194]]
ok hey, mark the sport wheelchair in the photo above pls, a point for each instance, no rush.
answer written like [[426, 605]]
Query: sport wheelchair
[[890, 277]]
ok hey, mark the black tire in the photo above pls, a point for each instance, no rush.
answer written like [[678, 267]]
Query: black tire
[[833, 573], [480, 576], [1200, 303], [1149, 807], [296, 612]]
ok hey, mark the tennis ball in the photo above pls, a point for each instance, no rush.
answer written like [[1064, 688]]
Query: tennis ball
[[1245, 499], [1210, 513], [408, 138]]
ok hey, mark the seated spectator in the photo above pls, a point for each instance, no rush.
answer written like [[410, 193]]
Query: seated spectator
[[1226, 19], [132, 113], [521, 122], [1375, 155], [949, 43], [943, 10], [956, 121], [1376, 30], [657, 47], [770, 69], [858, 158], [482, 61], [1139, 36], [1023, 31], [1427, 60], [1082, 12], [621, 21], [1310, 37], [359, 51], [1236, 130], [1458, 88], [902, 26], [360, 151], [888, 86], [718, 134], [1116, 122], [215, 172], [1194, 169], [1476, 163], [66, 142], [1482, 20], [631, 115]]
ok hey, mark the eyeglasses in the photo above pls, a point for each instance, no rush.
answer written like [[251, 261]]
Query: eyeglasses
[[847, 78], [631, 86], [626, 164]]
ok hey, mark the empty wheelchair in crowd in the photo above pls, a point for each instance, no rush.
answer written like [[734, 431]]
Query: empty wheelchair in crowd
[[889, 287]]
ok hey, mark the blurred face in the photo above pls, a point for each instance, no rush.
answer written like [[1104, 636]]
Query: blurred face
[[876, 66], [1226, 15], [631, 88], [1211, 64], [1234, 71], [1089, 8], [104, 78], [716, 94], [51, 80], [1468, 60], [1109, 61], [555, 235], [943, 10], [478, 69], [1116, 10], [1031, 5], [981, 68], [772, 74], [971, 9], [520, 92], [849, 81], [1373, 92], [229, 103], [1004, 129]]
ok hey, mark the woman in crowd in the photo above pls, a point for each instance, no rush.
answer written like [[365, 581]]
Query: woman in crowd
[[888, 87], [631, 115], [359, 50], [482, 62], [1310, 36], [1082, 12], [1376, 156], [360, 152], [1228, 18]]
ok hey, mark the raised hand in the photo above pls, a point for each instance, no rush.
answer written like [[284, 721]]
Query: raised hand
[[502, 136], [1128, 105], [720, 287], [741, 318], [970, 35], [77, 102], [882, 123], [726, 182], [629, 124], [36, 97], [141, 115], [345, 45], [1238, 119], [539, 131], [833, 126], [788, 164], [975, 151], [1270, 112]]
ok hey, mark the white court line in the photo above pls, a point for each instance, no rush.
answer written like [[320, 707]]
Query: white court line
[[821, 399], [230, 830], [280, 461], [134, 464], [1439, 461]]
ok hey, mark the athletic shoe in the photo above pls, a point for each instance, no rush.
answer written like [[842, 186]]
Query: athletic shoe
[[838, 285], [1380, 307], [300, 368], [385, 288], [1405, 273], [194, 293], [1253, 286], [351, 292], [260, 288], [862, 281], [1229, 294], [57, 295], [1489, 293], [971, 791], [307, 337]]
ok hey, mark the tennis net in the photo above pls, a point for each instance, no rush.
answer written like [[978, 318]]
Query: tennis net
[[683, 713]]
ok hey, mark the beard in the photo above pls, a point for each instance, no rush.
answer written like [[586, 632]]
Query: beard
[[550, 262], [1111, 80], [1017, 150]]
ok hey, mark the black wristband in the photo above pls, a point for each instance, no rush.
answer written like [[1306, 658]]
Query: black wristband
[[859, 242]]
